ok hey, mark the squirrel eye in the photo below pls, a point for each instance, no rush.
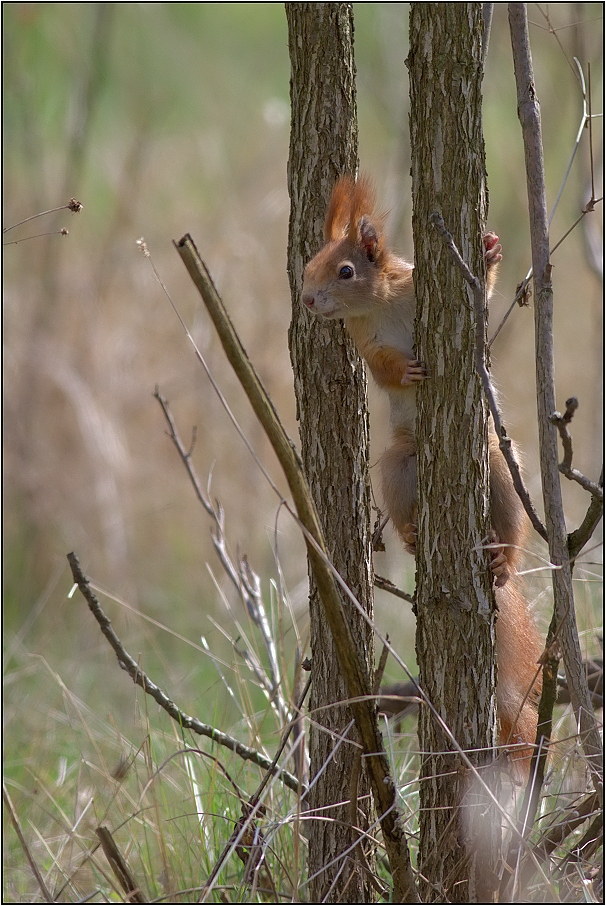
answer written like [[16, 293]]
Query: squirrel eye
[[346, 272]]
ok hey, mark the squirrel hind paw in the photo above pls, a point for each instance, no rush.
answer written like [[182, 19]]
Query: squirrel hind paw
[[409, 537], [499, 564]]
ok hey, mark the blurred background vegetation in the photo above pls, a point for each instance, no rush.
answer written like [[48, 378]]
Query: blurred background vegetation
[[166, 118]]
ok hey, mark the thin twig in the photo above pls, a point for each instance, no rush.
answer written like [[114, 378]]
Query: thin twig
[[561, 422], [387, 585], [141, 679], [119, 867], [579, 538], [504, 440]]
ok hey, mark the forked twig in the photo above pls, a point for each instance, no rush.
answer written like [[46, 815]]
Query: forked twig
[[561, 422]]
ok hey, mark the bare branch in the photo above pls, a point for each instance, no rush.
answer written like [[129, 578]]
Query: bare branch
[[561, 422], [387, 585], [17, 826]]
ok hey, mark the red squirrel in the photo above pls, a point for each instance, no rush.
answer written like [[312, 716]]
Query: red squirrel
[[357, 278]]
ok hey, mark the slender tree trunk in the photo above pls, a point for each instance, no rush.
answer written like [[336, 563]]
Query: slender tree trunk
[[459, 827], [330, 388]]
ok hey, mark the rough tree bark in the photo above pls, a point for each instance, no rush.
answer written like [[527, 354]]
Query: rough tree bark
[[330, 388], [455, 604]]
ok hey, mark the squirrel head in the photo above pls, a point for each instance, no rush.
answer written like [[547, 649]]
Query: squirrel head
[[346, 278]]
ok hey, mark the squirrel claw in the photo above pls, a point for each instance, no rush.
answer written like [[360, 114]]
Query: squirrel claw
[[409, 537], [492, 255], [498, 562], [415, 371]]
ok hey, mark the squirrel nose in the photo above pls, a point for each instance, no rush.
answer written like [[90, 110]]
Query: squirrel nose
[[308, 301]]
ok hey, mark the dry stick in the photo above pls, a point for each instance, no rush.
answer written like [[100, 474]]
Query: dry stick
[[119, 867], [16, 824], [387, 585], [141, 679], [356, 678], [529, 115]]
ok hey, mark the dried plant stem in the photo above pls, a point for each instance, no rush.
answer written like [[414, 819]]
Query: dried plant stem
[[356, 678], [141, 679], [74, 206], [17, 825], [244, 579], [529, 115], [131, 889]]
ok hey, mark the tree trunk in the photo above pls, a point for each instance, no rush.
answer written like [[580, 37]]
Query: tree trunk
[[330, 387], [459, 827]]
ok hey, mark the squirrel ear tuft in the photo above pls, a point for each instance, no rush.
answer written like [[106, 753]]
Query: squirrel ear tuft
[[339, 209], [370, 238]]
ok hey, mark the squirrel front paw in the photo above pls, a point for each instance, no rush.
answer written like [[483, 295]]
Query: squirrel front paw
[[493, 250], [415, 371]]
